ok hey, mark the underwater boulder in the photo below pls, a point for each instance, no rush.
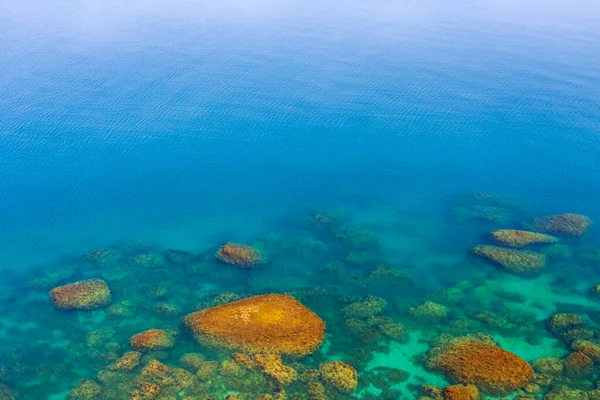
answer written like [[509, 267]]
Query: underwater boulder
[[563, 224], [461, 392], [152, 340], [339, 375], [429, 311], [367, 307], [273, 368], [82, 295], [270, 323], [578, 365], [127, 362], [87, 389], [517, 261], [562, 322], [469, 360], [519, 238], [240, 255], [6, 393]]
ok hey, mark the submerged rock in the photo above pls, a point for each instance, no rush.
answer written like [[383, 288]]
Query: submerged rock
[[429, 311], [339, 375], [240, 255], [273, 368], [127, 362], [461, 392], [365, 308], [152, 340], [468, 360], [87, 389], [519, 238], [563, 224], [82, 295], [517, 261], [578, 365], [271, 323]]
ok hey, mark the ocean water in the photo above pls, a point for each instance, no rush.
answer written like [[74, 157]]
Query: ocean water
[[364, 149]]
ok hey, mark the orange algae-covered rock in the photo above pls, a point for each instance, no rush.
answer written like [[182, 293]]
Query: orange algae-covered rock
[[563, 224], [578, 365], [518, 238], [152, 339], [471, 361], [87, 389], [271, 323], [272, 367], [461, 392], [127, 362], [518, 261], [157, 373], [240, 255], [339, 375], [590, 349], [82, 295]]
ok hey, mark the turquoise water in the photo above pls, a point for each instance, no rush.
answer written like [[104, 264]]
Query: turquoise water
[[419, 128]]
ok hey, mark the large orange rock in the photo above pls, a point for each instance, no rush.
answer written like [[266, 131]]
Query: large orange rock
[[471, 361], [82, 295], [271, 323]]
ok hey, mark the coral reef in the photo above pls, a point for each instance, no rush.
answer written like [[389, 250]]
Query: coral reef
[[271, 323], [339, 375], [394, 331], [87, 389], [240, 255], [429, 311], [563, 224], [6, 393], [127, 362], [560, 323], [192, 360], [548, 366], [148, 260], [152, 340], [517, 261], [461, 392], [365, 308], [577, 365], [469, 360], [519, 238], [272, 367], [82, 295]]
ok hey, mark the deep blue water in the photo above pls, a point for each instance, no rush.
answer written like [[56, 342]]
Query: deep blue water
[[187, 124]]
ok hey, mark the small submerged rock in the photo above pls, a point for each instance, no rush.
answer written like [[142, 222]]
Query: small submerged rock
[[82, 295], [563, 224], [519, 238], [152, 340], [461, 392], [240, 255], [517, 261], [127, 362], [339, 375]]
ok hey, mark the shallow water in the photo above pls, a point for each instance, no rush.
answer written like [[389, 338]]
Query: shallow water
[[338, 138]]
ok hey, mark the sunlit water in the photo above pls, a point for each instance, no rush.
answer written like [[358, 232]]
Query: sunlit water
[[339, 138]]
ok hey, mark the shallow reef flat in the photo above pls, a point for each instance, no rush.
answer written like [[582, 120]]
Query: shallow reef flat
[[485, 299]]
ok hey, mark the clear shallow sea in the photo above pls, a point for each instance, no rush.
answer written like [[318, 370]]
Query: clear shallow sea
[[153, 126]]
